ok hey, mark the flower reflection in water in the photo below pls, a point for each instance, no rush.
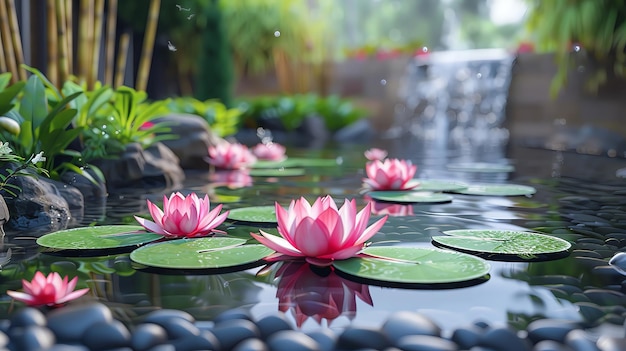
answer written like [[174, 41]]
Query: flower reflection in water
[[391, 209], [233, 179], [310, 295]]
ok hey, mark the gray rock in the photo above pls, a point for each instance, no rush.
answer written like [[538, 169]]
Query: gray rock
[[203, 341], [156, 165], [291, 340], [71, 322], [106, 335], [273, 323], [405, 323], [33, 337], [233, 314], [178, 328], [148, 335], [503, 339], [193, 146], [163, 315], [253, 344], [578, 340], [232, 332], [550, 329], [27, 317], [425, 343], [466, 338], [608, 343], [549, 345], [355, 338], [325, 338]]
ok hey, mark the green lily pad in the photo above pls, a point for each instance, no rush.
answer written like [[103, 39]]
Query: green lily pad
[[410, 196], [98, 237], [414, 265], [440, 185], [482, 167], [497, 190], [504, 242], [279, 172], [200, 253], [259, 214], [296, 162]]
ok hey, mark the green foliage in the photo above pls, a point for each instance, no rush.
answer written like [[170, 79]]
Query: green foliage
[[8, 92], [19, 168], [291, 110], [598, 27], [126, 118], [223, 121]]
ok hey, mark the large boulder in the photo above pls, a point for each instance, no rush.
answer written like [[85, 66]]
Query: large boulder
[[135, 167], [192, 141]]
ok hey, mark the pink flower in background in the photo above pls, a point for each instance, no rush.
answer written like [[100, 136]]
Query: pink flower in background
[[320, 232], [233, 179], [309, 295], [48, 291], [230, 156], [269, 151], [183, 216], [375, 154], [390, 174]]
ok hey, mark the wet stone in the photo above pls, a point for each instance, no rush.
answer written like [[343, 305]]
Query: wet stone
[[204, 341], [325, 338], [71, 322], [578, 340], [233, 314], [232, 332], [589, 311], [614, 242], [590, 262], [607, 273], [425, 343], [503, 339], [607, 343], [271, 324], [466, 338], [107, 335], [549, 345], [586, 253], [591, 246], [177, 328], [579, 297], [604, 297], [26, 317], [160, 316], [550, 329], [147, 335], [355, 338], [404, 323], [66, 347], [291, 340], [555, 279], [32, 337], [568, 289], [252, 344]]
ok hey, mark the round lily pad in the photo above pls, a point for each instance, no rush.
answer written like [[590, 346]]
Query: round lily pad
[[497, 190], [98, 237], [410, 196], [296, 162], [483, 167], [259, 214], [200, 253], [279, 172], [440, 185], [414, 265], [504, 242]]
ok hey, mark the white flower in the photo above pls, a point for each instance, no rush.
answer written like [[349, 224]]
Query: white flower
[[5, 149], [38, 158]]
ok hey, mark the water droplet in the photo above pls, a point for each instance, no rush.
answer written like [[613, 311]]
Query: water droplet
[[576, 48], [383, 82], [277, 34], [479, 75], [226, 284], [425, 49]]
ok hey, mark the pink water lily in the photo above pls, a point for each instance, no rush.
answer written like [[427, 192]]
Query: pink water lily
[[230, 156], [320, 233], [48, 291], [375, 154], [183, 216], [390, 174], [269, 151], [233, 179]]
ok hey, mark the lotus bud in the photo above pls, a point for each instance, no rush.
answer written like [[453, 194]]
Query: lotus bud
[[10, 125]]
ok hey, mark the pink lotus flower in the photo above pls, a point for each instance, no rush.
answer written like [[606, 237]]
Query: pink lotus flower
[[375, 154], [390, 174], [230, 156], [269, 151], [320, 233], [309, 295], [48, 291], [183, 217], [233, 179]]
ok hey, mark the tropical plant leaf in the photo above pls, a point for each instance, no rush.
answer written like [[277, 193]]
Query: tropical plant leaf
[[200, 253], [414, 265], [98, 237], [504, 242]]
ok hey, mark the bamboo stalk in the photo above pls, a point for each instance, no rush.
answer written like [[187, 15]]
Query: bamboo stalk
[[148, 46], [97, 36], [51, 71], [122, 57], [62, 33], [85, 38], [69, 34], [8, 44], [17, 40], [3, 62], [110, 42]]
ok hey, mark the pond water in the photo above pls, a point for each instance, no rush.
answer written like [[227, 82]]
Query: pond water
[[578, 198]]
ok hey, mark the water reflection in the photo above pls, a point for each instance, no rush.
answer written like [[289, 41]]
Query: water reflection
[[319, 296], [232, 179]]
